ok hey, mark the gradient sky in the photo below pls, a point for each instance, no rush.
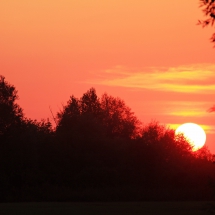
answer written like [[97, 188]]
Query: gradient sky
[[151, 54]]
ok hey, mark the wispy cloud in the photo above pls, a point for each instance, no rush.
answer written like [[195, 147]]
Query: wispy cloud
[[189, 113], [209, 129], [186, 79]]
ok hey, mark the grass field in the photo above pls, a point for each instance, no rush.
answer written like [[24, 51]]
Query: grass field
[[124, 208]]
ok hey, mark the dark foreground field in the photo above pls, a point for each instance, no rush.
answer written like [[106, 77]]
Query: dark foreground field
[[124, 208]]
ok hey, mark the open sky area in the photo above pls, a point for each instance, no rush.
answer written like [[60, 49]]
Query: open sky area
[[151, 54]]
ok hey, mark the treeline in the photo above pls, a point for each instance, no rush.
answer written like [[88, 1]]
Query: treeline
[[98, 151]]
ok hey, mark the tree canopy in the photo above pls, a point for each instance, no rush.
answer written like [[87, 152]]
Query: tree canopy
[[107, 112]]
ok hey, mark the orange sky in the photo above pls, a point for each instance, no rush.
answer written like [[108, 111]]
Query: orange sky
[[151, 54]]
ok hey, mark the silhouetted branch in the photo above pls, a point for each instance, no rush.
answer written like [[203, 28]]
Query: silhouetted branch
[[209, 12], [53, 116], [211, 109]]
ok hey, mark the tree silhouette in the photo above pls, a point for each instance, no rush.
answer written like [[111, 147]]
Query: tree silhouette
[[89, 112], [90, 103], [209, 12], [10, 113], [68, 117], [118, 118], [80, 119], [98, 151]]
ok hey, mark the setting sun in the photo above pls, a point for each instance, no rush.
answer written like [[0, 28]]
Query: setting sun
[[193, 133]]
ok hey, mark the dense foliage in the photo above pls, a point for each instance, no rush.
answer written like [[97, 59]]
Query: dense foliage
[[99, 150], [209, 11]]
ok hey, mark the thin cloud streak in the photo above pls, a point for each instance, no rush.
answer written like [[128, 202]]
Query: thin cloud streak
[[188, 113], [189, 79], [209, 129], [180, 108]]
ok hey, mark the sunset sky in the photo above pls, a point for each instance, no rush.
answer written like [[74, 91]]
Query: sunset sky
[[151, 54]]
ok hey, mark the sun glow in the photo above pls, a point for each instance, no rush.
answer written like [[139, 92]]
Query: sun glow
[[193, 133]]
